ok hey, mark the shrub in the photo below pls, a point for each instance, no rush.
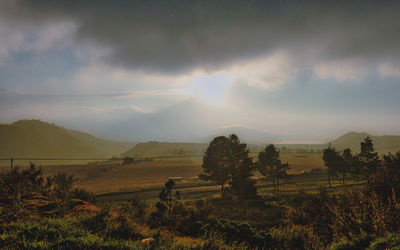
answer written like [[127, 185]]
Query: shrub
[[82, 194], [358, 212], [293, 237], [389, 241], [313, 210], [234, 231]]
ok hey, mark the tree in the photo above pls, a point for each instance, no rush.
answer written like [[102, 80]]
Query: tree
[[164, 205], [64, 185], [242, 170], [368, 157], [333, 161], [345, 163], [217, 162], [352, 162], [270, 166], [386, 181], [227, 161]]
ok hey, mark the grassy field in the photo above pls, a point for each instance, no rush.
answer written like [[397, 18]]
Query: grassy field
[[105, 177]]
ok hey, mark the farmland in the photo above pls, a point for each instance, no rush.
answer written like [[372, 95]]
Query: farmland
[[113, 181], [105, 177]]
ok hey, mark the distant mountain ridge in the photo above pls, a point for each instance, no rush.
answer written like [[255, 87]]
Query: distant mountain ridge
[[382, 144], [34, 138], [248, 135]]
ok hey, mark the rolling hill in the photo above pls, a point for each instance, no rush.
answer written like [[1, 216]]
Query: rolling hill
[[150, 149], [382, 144], [108, 147], [34, 138]]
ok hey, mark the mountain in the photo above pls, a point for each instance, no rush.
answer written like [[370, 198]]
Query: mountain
[[382, 144], [188, 121], [150, 149], [34, 138], [247, 135]]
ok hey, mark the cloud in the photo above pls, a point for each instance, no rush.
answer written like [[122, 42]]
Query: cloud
[[389, 70], [342, 70], [269, 72], [176, 36], [16, 38]]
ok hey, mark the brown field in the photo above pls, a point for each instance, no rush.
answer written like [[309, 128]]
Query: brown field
[[105, 177], [300, 163]]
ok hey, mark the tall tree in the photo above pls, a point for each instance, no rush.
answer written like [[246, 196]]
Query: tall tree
[[333, 161], [270, 166], [345, 165], [227, 160], [217, 162], [243, 168], [368, 157], [352, 162]]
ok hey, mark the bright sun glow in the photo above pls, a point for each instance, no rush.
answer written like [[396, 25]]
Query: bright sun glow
[[210, 87]]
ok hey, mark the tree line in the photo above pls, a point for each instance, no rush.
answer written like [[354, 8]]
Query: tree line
[[227, 162], [348, 164]]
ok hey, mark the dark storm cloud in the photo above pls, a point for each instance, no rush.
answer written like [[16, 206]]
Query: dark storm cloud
[[177, 36]]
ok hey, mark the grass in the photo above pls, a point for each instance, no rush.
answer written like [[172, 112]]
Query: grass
[[51, 233]]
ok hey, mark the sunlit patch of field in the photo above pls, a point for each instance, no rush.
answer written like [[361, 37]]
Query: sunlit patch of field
[[303, 162]]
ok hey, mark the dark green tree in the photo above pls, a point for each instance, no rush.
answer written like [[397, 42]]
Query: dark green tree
[[227, 161], [333, 161], [242, 169], [369, 159], [217, 162], [345, 165], [270, 166], [386, 181], [352, 162]]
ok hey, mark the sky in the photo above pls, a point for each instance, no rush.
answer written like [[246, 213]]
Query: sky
[[182, 70]]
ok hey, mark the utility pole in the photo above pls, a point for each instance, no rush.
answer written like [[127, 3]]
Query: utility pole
[[11, 161]]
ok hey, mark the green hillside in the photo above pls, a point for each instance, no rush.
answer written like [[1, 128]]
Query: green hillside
[[382, 144], [110, 148], [34, 138], [150, 149]]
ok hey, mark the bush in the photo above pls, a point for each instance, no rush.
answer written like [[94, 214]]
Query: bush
[[389, 241], [293, 237], [82, 194], [234, 231], [313, 210], [361, 242], [359, 212]]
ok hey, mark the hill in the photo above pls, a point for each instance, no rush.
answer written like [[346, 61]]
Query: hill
[[34, 138], [382, 144], [108, 147], [150, 149]]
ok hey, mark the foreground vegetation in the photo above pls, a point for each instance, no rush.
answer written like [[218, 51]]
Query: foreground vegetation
[[48, 213]]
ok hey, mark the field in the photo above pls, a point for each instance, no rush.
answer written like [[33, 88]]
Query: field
[[130, 209], [114, 181]]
